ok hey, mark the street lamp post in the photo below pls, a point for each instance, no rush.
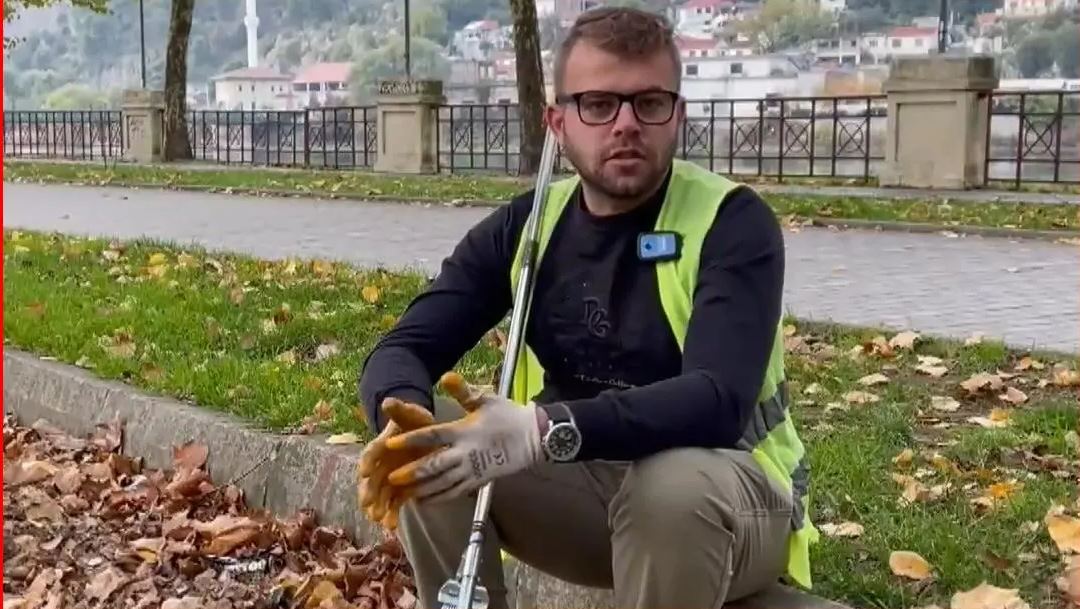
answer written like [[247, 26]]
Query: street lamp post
[[142, 42], [408, 57], [943, 27]]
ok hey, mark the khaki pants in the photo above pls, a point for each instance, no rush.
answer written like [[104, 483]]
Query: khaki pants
[[682, 529]]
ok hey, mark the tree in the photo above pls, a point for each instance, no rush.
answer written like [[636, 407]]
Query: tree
[[13, 9], [388, 61], [1035, 55], [1066, 44], [785, 23], [177, 145], [530, 84]]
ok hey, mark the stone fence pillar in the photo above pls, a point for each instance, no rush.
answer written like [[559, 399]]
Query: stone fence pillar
[[408, 119], [937, 121], [143, 128]]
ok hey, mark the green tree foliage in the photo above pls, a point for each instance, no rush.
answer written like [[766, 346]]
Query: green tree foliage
[[786, 23], [1066, 43], [1035, 56], [388, 61]]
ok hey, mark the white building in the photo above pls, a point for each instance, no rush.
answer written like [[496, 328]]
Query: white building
[[839, 51], [322, 84], [252, 89], [911, 41], [834, 7], [702, 16], [1035, 8]]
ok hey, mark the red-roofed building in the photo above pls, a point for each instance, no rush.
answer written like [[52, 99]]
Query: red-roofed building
[[907, 41], [322, 83], [259, 88], [690, 47]]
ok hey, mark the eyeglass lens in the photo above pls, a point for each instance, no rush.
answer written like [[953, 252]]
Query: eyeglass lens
[[649, 107]]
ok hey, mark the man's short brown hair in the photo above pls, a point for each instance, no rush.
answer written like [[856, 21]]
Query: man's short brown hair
[[626, 32]]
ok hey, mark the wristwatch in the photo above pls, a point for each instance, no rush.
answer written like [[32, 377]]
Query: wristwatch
[[562, 439]]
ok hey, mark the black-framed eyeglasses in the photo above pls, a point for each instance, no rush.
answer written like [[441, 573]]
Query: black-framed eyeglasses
[[651, 107]]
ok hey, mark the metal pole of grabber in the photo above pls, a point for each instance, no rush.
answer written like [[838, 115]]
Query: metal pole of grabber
[[463, 591]]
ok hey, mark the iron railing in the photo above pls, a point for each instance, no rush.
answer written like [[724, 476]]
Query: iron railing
[[64, 134], [787, 137], [340, 137], [1033, 137]]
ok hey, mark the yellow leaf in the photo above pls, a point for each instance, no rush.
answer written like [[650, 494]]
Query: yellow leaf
[[157, 258], [905, 458], [1002, 490], [1028, 363], [909, 564], [323, 411], [914, 491], [843, 529], [789, 330], [370, 294], [987, 596], [322, 267], [874, 379], [1013, 395], [904, 340], [287, 357], [1063, 529], [1063, 377], [236, 295]]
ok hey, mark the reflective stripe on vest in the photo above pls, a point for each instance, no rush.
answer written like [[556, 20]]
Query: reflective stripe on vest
[[693, 197]]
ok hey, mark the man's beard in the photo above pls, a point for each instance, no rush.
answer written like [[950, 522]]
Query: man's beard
[[621, 189]]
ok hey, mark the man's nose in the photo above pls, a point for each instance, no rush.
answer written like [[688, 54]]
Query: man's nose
[[626, 120]]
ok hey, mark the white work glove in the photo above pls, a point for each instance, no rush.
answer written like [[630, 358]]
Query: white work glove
[[497, 438]]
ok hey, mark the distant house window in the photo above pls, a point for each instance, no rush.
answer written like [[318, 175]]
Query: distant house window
[[896, 43], [919, 42], [873, 44], [239, 87], [736, 68], [252, 87], [691, 70]]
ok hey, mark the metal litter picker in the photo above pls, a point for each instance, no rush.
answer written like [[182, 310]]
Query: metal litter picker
[[463, 591]]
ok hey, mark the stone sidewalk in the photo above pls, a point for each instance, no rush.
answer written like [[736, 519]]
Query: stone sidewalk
[[1024, 292]]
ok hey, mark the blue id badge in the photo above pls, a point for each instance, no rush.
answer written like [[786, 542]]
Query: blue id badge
[[659, 246]]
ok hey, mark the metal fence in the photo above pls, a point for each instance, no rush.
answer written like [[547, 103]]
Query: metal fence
[[1033, 137], [1030, 137], [319, 137], [64, 134]]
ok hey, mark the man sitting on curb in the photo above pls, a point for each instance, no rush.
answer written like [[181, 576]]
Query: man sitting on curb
[[647, 447]]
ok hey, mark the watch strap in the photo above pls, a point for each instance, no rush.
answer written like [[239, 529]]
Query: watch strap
[[557, 412]]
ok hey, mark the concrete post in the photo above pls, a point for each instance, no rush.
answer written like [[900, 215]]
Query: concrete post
[[937, 121], [408, 112], [143, 133]]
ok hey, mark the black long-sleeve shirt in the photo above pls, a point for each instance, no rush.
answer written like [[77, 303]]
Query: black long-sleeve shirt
[[598, 329]]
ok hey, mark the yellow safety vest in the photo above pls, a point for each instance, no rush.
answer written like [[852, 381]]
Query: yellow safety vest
[[694, 195]]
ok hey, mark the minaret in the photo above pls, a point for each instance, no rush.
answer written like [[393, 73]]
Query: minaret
[[251, 20]]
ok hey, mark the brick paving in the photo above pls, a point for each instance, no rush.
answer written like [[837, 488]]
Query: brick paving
[[1024, 292]]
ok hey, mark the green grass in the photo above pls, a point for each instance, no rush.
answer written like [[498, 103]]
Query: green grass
[[368, 185], [171, 321]]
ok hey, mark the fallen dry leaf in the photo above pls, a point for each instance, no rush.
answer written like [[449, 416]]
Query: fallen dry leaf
[[27, 472], [1028, 363], [843, 529], [860, 397], [904, 458], [931, 366], [914, 490], [343, 438], [874, 379], [102, 586], [910, 565], [998, 418], [1064, 377], [904, 340], [975, 339], [1069, 582], [987, 596], [326, 351], [944, 403], [370, 293], [982, 380], [1013, 395], [190, 455], [1063, 528]]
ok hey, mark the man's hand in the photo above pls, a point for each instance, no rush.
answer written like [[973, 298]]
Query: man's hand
[[498, 437], [379, 500]]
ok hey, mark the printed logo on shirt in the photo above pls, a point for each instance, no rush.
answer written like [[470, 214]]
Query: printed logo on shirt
[[596, 318]]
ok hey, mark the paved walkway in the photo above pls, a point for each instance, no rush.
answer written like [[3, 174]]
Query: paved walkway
[[1025, 292]]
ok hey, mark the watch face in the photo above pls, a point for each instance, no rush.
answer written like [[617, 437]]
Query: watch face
[[563, 442]]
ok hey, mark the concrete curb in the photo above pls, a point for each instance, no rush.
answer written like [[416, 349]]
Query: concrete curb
[[282, 474], [917, 227], [884, 225]]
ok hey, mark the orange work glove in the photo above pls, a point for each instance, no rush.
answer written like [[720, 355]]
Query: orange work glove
[[379, 499]]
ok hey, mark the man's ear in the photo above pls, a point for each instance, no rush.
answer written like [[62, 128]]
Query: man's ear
[[555, 117]]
